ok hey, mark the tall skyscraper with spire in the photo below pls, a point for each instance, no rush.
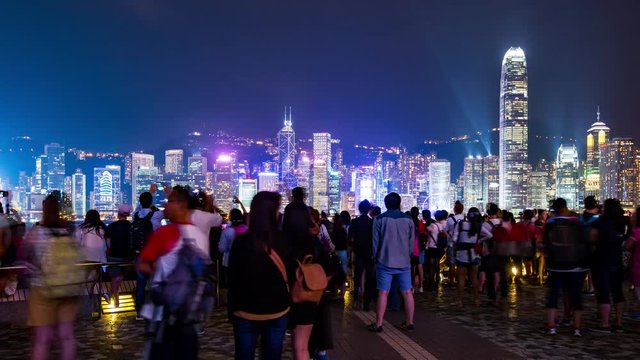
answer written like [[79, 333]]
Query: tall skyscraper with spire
[[514, 134], [597, 137], [287, 153]]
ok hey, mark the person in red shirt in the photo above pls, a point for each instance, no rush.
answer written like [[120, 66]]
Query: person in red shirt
[[158, 258]]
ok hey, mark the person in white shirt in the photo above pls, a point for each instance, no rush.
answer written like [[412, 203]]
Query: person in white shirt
[[93, 244], [466, 237], [452, 222], [434, 254], [204, 220]]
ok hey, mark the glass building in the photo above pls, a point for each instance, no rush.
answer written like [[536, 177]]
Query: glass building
[[79, 194], [567, 175], [267, 181], [476, 189], [174, 162], [514, 136], [439, 185], [287, 153], [55, 166], [106, 190], [619, 173], [139, 181]]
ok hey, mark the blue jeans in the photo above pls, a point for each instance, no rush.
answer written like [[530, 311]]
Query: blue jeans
[[271, 332], [141, 284]]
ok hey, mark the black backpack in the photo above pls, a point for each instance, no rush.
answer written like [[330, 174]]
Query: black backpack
[[566, 244], [141, 229]]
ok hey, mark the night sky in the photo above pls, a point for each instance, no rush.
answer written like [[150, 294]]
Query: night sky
[[108, 75]]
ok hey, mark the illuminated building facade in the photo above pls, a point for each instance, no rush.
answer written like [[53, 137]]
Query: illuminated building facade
[[475, 185], [79, 194], [106, 190], [55, 169], [267, 181], [439, 185], [491, 172], [567, 175], [247, 189], [514, 136], [619, 172], [143, 174], [223, 184], [597, 137], [287, 153], [174, 162], [197, 165]]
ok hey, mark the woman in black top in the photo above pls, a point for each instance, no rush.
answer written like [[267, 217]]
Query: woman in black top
[[118, 237], [258, 292]]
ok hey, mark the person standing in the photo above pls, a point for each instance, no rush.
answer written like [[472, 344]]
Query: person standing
[[452, 223], [435, 253], [608, 273], [361, 240], [146, 220], [259, 300], [300, 239], [566, 250], [120, 251], [52, 310], [158, 259], [466, 238], [393, 245]]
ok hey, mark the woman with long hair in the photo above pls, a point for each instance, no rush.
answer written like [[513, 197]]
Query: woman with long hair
[[259, 298], [466, 238], [91, 237]]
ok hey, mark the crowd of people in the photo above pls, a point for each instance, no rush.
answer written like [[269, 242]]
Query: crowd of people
[[282, 271]]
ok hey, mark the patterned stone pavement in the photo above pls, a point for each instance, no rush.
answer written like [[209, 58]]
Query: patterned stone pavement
[[513, 327]]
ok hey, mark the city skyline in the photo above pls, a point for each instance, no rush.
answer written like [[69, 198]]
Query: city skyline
[[336, 63]]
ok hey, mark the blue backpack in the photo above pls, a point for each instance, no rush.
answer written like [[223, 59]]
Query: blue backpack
[[187, 292]]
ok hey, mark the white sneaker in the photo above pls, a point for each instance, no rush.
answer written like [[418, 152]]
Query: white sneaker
[[420, 290]]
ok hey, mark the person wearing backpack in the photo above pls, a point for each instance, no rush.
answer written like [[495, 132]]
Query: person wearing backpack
[[491, 264], [452, 222], [466, 237], [181, 288], [259, 300], [437, 243], [146, 220], [566, 249], [56, 282], [120, 251]]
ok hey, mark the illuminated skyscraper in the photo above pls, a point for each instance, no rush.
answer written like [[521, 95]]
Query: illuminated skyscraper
[[618, 172], [333, 191], [197, 165], [106, 190], [267, 181], [514, 134], [247, 189], [491, 172], [55, 156], [538, 190], [79, 194], [319, 197], [596, 140], [143, 174], [287, 153], [303, 171], [567, 175], [223, 184], [439, 185], [174, 162], [476, 189]]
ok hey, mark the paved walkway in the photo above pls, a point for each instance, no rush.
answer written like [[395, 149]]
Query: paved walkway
[[443, 331]]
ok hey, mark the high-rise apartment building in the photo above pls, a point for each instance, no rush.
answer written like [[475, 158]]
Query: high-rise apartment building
[[79, 194], [223, 187], [439, 185], [287, 153], [476, 188], [318, 195], [597, 137], [333, 191], [322, 148], [514, 136], [619, 173], [143, 174], [491, 172], [174, 162], [567, 175], [268, 181], [303, 171], [55, 157], [197, 165]]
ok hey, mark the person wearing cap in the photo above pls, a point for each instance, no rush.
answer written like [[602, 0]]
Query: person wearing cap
[[118, 237]]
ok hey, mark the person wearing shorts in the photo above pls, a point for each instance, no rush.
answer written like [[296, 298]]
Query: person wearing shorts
[[393, 246]]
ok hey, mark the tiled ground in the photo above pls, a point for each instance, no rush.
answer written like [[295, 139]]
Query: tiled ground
[[513, 327]]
